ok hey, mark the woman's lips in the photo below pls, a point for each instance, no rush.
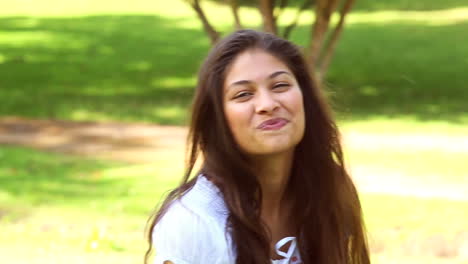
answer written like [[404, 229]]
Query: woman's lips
[[273, 124]]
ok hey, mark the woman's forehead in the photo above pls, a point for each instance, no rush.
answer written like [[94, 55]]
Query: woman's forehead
[[255, 65]]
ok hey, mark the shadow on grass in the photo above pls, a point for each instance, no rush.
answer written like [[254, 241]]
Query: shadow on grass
[[101, 67], [407, 5], [35, 178], [400, 70], [142, 68]]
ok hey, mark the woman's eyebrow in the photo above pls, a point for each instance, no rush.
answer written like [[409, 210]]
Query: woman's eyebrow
[[271, 76], [241, 82]]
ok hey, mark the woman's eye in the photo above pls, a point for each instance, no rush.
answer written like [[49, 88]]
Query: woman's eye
[[242, 95], [281, 86]]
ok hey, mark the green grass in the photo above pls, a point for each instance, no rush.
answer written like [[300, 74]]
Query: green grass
[[108, 62], [72, 206], [412, 230], [95, 211], [408, 4], [72, 69], [429, 166], [34, 178]]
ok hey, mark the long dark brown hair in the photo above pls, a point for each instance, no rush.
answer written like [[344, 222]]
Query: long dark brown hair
[[326, 213]]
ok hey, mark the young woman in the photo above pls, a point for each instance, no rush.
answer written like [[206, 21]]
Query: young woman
[[272, 186]]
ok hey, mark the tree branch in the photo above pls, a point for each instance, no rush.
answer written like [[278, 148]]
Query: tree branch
[[290, 27], [209, 29], [282, 5], [235, 12], [269, 22], [333, 40], [323, 11]]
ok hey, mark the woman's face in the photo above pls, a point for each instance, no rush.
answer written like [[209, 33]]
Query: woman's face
[[263, 104]]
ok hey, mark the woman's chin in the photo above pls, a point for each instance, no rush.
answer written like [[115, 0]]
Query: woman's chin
[[272, 149]]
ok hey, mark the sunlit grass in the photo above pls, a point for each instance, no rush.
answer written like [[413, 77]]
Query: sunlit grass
[[169, 82], [429, 166], [411, 230], [402, 125], [433, 18], [58, 8], [96, 211], [223, 20], [70, 206]]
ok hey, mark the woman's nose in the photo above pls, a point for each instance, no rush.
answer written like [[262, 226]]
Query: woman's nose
[[266, 103]]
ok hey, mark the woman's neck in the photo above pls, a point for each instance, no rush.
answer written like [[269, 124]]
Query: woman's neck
[[273, 173]]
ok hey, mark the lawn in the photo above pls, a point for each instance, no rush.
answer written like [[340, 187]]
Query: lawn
[[109, 62], [87, 211], [69, 207]]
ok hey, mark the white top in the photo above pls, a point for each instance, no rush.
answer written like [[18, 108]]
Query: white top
[[193, 230]]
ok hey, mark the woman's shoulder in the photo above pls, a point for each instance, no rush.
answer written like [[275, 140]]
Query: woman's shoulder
[[202, 206], [181, 224], [206, 199], [192, 230]]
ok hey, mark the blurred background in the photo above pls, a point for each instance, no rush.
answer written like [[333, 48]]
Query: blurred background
[[94, 100]]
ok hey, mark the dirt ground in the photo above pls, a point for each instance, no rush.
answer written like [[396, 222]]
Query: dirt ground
[[145, 143]]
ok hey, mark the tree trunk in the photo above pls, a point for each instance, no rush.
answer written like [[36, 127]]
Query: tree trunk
[[209, 29], [321, 48], [235, 13], [266, 9], [329, 50], [323, 11]]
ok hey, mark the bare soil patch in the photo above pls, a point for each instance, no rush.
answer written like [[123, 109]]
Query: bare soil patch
[[145, 143]]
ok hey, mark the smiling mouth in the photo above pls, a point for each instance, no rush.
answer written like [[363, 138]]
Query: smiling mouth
[[273, 124]]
